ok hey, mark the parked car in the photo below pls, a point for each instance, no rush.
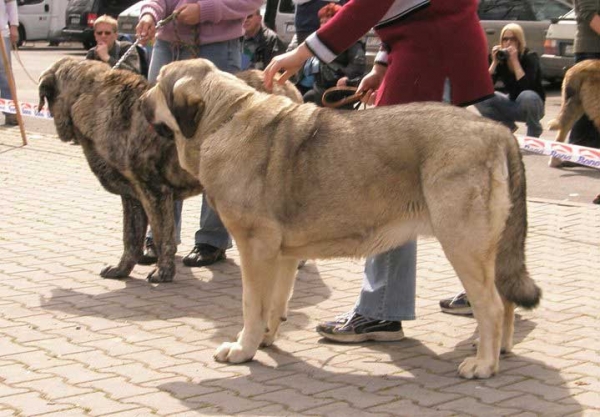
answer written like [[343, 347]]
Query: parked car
[[558, 54], [128, 19], [81, 15], [41, 20], [534, 16]]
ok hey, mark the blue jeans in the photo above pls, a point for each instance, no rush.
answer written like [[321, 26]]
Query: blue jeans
[[4, 87], [389, 281], [584, 132], [227, 56], [528, 108]]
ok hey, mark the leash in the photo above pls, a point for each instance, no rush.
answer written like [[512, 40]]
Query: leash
[[130, 50], [336, 97]]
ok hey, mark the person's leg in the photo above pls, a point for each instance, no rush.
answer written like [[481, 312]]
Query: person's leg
[[212, 238], [10, 118], [531, 111], [499, 108]]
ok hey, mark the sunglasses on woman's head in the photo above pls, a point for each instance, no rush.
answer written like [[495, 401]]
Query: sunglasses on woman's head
[[105, 33]]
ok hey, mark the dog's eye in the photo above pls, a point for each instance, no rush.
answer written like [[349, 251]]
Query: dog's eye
[[163, 130]]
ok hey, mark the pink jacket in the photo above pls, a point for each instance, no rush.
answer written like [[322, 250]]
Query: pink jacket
[[220, 20]]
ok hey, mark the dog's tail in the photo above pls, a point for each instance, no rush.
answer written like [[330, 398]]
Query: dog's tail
[[512, 279]]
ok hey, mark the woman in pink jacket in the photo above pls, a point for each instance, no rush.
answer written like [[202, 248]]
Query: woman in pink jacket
[[208, 29], [432, 50]]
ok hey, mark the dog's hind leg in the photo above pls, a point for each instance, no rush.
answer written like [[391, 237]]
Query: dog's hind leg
[[261, 264], [571, 110], [508, 326], [476, 272], [134, 228], [284, 286]]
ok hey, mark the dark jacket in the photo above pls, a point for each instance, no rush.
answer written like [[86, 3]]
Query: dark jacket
[[261, 48], [532, 80], [132, 63], [351, 63]]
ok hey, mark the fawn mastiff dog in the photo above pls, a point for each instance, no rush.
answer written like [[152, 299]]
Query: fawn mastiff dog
[[293, 181], [100, 108], [580, 95]]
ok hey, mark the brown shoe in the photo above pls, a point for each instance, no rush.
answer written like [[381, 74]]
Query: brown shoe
[[204, 255], [10, 119]]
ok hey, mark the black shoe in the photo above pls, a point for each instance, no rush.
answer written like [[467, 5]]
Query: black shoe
[[204, 255], [352, 327], [459, 304], [149, 257]]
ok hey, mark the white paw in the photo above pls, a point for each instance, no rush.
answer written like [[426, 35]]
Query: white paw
[[232, 352], [475, 368]]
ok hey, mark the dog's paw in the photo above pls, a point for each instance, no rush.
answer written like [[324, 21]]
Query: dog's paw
[[232, 352], [161, 275], [112, 272], [268, 340], [476, 368]]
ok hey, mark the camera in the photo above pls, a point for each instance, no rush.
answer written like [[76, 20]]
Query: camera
[[502, 55]]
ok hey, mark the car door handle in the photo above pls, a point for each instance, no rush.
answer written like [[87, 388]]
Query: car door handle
[[46, 8]]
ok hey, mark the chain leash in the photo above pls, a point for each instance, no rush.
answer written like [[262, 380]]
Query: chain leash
[[130, 50]]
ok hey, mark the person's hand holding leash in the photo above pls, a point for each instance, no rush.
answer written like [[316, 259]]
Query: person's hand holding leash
[[145, 29], [188, 14], [291, 62], [370, 83]]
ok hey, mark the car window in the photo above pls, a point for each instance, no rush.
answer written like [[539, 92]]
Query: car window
[[547, 10], [505, 10]]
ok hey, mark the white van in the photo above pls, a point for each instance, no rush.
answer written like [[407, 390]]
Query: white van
[[41, 20]]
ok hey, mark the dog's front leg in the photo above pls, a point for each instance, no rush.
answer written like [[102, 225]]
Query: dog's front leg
[[284, 285], [258, 282], [159, 207], [134, 228]]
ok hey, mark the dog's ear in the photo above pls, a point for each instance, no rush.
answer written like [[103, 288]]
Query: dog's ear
[[47, 89], [186, 108]]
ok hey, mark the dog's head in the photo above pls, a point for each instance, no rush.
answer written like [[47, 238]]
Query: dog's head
[[175, 105], [60, 85]]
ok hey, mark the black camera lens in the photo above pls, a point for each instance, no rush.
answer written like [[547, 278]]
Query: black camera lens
[[502, 55]]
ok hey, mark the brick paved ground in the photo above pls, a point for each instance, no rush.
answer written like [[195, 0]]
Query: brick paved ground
[[74, 344]]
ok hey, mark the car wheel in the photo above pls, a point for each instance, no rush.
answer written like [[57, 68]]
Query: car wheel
[[21, 36]]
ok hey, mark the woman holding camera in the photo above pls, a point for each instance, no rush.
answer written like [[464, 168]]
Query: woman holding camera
[[519, 70]]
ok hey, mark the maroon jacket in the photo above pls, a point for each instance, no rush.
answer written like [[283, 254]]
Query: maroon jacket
[[427, 45]]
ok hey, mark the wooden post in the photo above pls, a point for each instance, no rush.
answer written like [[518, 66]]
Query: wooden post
[[13, 90]]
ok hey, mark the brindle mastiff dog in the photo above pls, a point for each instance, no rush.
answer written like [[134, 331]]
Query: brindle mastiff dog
[[100, 108], [580, 95], [293, 181]]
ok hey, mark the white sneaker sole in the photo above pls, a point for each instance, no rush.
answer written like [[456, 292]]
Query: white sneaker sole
[[364, 337]]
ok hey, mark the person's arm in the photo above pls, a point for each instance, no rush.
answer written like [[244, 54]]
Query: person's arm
[[528, 72], [595, 23], [12, 12]]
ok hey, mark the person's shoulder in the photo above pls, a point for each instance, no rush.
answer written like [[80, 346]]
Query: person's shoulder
[[124, 44]]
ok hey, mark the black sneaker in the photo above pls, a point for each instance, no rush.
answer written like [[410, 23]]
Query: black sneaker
[[149, 256], [204, 255], [353, 327], [459, 304]]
